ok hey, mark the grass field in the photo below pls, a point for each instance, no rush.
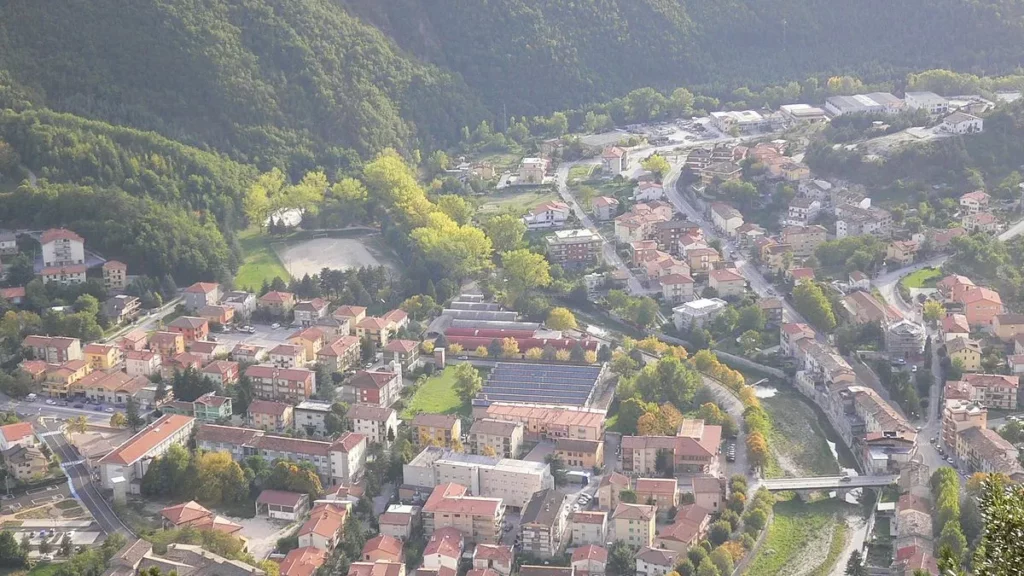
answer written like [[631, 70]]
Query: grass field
[[923, 278], [437, 396], [796, 539], [39, 570], [261, 263], [581, 172], [517, 202]]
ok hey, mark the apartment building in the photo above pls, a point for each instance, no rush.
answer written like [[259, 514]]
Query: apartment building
[[513, 481], [291, 385], [270, 416], [543, 523], [585, 454], [130, 460], [803, 240], [577, 248], [549, 423], [53, 349], [589, 527], [661, 492], [377, 423], [634, 524], [435, 430], [310, 416], [500, 438], [959, 415], [479, 518]]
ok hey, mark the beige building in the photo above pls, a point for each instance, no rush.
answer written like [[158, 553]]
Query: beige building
[[130, 460], [612, 484], [660, 492], [435, 430], [966, 352], [708, 493], [480, 519], [25, 462], [984, 450], [959, 415], [589, 527], [634, 524], [375, 422], [499, 438], [549, 423], [803, 240], [585, 454]]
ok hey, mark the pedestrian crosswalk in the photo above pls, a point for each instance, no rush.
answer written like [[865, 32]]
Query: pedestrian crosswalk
[[71, 463], [48, 434]]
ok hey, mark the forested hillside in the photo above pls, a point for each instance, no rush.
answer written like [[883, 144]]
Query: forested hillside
[[540, 55], [294, 84]]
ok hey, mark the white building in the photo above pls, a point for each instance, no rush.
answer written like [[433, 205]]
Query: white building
[[726, 218], [532, 170], [803, 113], [551, 214], [647, 191], [929, 101], [129, 461], [377, 423], [62, 247], [311, 416], [962, 123], [742, 120], [696, 313], [514, 481], [801, 211], [873, 103], [819, 190]]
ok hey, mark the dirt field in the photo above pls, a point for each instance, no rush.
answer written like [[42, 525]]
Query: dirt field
[[310, 256]]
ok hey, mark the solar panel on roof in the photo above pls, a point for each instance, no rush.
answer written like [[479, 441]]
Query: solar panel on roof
[[541, 383]]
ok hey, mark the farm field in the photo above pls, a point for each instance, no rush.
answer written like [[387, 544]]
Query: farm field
[[517, 202]]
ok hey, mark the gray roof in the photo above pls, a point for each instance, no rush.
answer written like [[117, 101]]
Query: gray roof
[[543, 507]]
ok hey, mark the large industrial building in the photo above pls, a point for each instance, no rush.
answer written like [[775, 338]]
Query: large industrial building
[[546, 384]]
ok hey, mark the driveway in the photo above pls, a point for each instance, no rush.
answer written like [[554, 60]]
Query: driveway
[[731, 404]]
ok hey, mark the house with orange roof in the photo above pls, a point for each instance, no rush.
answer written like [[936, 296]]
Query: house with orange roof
[[62, 247], [494, 557], [15, 294], [248, 353], [382, 548], [340, 353], [388, 569], [986, 222], [303, 561], [222, 372], [134, 340], [397, 319], [115, 276], [801, 275], [479, 519], [634, 524], [277, 303], [283, 384], [614, 159], [398, 521], [102, 356], [676, 288], [902, 252], [661, 492], [954, 286], [120, 468], [405, 352], [288, 356], [191, 328], [727, 282], [435, 429], [324, 528], [605, 207], [206, 351], [351, 314], [309, 312], [974, 202], [143, 363], [590, 560], [201, 294], [59, 377], [192, 514], [180, 363], [375, 387], [18, 434], [954, 326], [689, 527], [53, 349], [36, 369], [551, 214], [373, 328], [167, 344], [311, 340], [981, 305], [588, 527], [217, 314], [612, 485]]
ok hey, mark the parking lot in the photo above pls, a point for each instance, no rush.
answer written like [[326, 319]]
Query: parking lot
[[265, 336]]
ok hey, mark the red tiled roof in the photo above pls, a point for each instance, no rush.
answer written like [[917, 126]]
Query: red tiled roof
[[634, 511], [373, 323], [349, 311], [369, 412], [222, 367], [446, 541], [348, 441], [286, 350], [139, 445], [386, 544], [227, 434], [276, 297], [493, 552], [303, 561], [12, 293], [445, 421], [59, 234], [202, 288], [114, 265], [16, 432], [590, 552], [402, 346], [339, 347], [375, 379], [69, 269], [292, 445], [665, 486], [280, 498], [451, 498], [185, 512], [311, 334], [589, 517], [210, 399], [325, 520]]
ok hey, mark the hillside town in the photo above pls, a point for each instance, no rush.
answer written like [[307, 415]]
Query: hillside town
[[603, 401]]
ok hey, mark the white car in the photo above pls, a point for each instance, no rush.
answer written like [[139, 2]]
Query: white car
[[50, 402], [275, 326]]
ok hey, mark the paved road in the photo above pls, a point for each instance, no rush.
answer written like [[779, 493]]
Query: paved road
[[146, 323], [823, 482], [887, 284], [81, 481], [1012, 231], [731, 404]]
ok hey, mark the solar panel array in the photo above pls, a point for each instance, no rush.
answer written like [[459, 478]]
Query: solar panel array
[[541, 384]]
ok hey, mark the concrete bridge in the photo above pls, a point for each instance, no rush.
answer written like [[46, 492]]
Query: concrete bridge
[[841, 485]]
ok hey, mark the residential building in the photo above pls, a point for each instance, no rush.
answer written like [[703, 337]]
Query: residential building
[[340, 354], [210, 408], [379, 424], [276, 303], [694, 448], [667, 234], [588, 527], [435, 429], [60, 377], [614, 160], [697, 313], [986, 222], [311, 417], [142, 363], [223, 373], [861, 220], [191, 328], [708, 493], [590, 559], [282, 505], [129, 461], [375, 329], [676, 288], [137, 556], [399, 521], [490, 437], [702, 260], [962, 123], [121, 308], [8, 243], [550, 423], [323, 530], [115, 276], [351, 314], [382, 548], [17, 434], [479, 518], [656, 561], [927, 101], [612, 485], [863, 307], [303, 561], [287, 356], [959, 415], [201, 294], [954, 326], [802, 211], [974, 202], [62, 247], [997, 391], [940, 239], [543, 523], [647, 191], [660, 492], [984, 450], [981, 305], [217, 314], [902, 252], [803, 240], [376, 387], [749, 233], [444, 550], [726, 218], [167, 344], [308, 312], [270, 416], [531, 171], [112, 387], [53, 349], [102, 356], [904, 339], [954, 287], [605, 207], [574, 248], [585, 454], [406, 353], [634, 524], [382, 569], [242, 302], [68, 274], [248, 353], [513, 481], [689, 526], [283, 384], [772, 308], [1007, 326], [800, 275], [551, 214], [729, 283], [966, 352]]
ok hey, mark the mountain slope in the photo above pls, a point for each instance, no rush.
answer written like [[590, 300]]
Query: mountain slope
[[291, 83]]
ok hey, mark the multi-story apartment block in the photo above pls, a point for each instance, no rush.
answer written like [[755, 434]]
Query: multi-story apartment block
[[543, 523], [479, 518], [378, 423], [575, 248], [496, 438], [634, 524], [285, 384], [53, 349]]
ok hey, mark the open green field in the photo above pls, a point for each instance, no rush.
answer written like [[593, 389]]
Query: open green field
[[261, 263], [437, 396], [797, 436], [923, 278], [803, 538], [581, 172], [43, 569], [518, 202]]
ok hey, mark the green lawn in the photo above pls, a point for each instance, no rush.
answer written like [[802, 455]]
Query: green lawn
[[796, 527], [437, 396], [261, 263], [518, 202], [923, 278], [581, 172], [42, 569]]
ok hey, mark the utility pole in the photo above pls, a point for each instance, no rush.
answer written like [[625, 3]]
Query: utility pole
[[504, 118]]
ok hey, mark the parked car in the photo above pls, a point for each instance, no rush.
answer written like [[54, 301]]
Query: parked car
[[98, 408], [79, 405], [275, 326]]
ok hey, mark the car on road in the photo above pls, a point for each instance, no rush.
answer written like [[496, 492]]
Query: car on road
[[98, 408], [846, 479], [250, 329], [50, 402], [932, 440], [79, 405], [275, 326], [108, 409]]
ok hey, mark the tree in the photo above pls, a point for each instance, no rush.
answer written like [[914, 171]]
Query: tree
[[456, 208], [757, 449], [810, 301], [45, 547], [620, 560], [755, 520], [933, 311], [557, 467], [468, 382], [11, 554], [534, 354], [696, 555], [523, 271], [719, 532], [750, 341], [685, 568], [481, 351], [561, 319], [628, 496], [855, 565], [722, 560], [78, 425], [657, 164], [505, 231], [132, 417], [118, 420], [708, 568], [509, 347], [951, 537], [494, 349]]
